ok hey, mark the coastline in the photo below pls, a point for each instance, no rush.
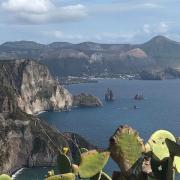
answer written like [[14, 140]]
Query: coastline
[[95, 79], [135, 112], [40, 112], [16, 173]]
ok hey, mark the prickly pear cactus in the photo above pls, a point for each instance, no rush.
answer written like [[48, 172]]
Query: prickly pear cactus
[[92, 162], [126, 148], [77, 155], [5, 177], [157, 143], [177, 164], [64, 163], [68, 176]]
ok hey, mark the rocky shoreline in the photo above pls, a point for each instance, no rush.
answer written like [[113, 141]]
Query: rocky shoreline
[[34, 88], [27, 88]]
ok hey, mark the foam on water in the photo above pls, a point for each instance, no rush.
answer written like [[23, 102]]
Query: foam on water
[[17, 173]]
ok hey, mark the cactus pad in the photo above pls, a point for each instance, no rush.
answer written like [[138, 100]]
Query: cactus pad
[[68, 176], [126, 148], [64, 163], [158, 144], [5, 177], [177, 164], [92, 162]]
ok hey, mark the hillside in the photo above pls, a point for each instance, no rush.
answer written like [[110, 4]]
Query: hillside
[[89, 58], [164, 51]]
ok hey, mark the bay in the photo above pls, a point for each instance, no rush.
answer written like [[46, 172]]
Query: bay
[[159, 110]]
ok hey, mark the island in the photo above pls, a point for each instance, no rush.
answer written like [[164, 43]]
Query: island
[[86, 100]]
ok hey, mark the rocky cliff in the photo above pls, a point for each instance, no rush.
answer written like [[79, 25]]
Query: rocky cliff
[[27, 87], [34, 88], [30, 142], [26, 140]]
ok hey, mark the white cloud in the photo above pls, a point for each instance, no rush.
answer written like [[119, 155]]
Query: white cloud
[[146, 28], [32, 6], [161, 27], [41, 11], [151, 5]]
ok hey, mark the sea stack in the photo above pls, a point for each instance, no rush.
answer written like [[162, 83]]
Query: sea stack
[[109, 95]]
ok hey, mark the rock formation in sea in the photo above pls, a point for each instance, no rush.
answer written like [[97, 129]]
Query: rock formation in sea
[[35, 89], [86, 100]]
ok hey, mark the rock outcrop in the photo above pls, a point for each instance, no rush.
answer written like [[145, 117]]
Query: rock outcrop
[[35, 88], [28, 141], [86, 100], [27, 87]]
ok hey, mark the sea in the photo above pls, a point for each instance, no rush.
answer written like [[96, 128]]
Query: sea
[[160, 109]]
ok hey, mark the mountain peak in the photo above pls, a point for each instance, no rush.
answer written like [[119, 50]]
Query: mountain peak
[[160, 40], [160, 37], [22, 44]]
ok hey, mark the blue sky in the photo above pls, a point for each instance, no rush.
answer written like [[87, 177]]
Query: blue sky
[[104, 21]]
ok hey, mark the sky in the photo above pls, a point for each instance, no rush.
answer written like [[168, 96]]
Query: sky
[[75, 21]]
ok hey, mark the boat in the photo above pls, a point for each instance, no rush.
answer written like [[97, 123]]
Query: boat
[[139, 96], [136, 107]]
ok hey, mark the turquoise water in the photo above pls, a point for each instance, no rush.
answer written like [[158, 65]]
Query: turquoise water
[[159, 110]]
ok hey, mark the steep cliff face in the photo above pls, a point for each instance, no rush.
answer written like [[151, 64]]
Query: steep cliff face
[[35, 88], [25, 142]]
